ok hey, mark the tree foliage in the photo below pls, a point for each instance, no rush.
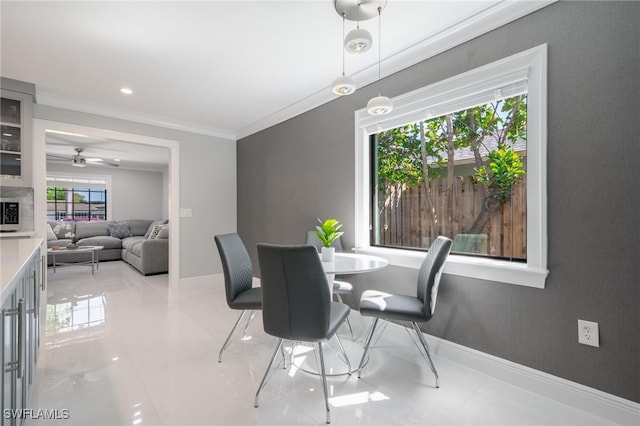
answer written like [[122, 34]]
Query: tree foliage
[[60, 194], [417, 153]]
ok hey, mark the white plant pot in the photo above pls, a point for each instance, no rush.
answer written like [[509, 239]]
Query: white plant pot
[[328, 254]]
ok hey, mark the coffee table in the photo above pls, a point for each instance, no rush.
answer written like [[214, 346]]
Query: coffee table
[[63, 251]]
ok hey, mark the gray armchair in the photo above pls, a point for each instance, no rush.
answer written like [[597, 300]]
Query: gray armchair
[[296, 304], [339, 286], [420, 308], [238, 280]]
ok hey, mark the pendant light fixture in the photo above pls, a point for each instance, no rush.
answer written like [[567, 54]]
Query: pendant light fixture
[[379, 105], [358, 40], [343, 85]]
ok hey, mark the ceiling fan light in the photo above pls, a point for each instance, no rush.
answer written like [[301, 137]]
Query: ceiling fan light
[[380, 105], [343, 85], [358, 41], [78, 162]]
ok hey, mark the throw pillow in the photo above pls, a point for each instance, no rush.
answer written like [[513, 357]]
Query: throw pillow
[[64, 230], [164, 232], [155, 232], [153, 225], [50, 234], [119, 229]]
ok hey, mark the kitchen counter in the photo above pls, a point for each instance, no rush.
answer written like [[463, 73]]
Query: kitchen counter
[[21, 234], [14, 255]]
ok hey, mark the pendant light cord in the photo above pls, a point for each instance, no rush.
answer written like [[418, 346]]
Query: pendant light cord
[[343, 21], [379, 48]]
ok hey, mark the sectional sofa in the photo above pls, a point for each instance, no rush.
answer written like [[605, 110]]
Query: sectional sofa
[[143, 244]]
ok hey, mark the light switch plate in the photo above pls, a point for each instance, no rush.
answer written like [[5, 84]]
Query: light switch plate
[[186, 213]]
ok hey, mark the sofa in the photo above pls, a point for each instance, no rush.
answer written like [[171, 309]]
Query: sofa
[[143, 244]]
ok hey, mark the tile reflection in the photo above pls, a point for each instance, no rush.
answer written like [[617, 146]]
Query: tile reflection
[[76, 313]]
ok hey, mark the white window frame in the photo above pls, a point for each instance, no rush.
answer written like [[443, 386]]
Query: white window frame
[[500, 77]]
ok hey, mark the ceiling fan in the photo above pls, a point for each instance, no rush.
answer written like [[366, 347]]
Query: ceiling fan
[[80, 160]]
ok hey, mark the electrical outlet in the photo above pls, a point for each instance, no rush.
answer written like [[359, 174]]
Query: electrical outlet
[[588, 333]]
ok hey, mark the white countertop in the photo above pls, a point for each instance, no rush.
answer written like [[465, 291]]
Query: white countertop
[[14, 254], [18, 234]]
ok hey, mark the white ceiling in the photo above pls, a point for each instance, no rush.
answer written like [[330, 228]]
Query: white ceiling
[[223, 68]]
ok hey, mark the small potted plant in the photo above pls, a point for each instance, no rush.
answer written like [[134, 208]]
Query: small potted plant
[[328, 232], [74, 242]]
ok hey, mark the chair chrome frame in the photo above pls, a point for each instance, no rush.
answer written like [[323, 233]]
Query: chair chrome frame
[[407, 309]]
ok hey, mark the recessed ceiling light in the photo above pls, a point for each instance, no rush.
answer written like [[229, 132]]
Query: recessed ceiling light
[[126, 91], [116, 159]]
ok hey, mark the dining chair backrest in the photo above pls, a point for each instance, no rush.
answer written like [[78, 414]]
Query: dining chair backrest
[[312, 239], [236, 265], [296, 301], [430, 273]]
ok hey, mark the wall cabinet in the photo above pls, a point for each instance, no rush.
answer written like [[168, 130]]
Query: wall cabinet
[[16, 121], [21, 338]]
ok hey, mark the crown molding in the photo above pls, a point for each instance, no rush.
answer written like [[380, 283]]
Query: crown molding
[[55, 100], [494, 17]]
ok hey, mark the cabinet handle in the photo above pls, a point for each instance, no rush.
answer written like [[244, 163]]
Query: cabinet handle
[[43, 272], [20, 336]]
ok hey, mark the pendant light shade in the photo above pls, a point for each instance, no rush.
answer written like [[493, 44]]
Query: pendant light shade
[[358, 41], [343, 85], [379, 105]]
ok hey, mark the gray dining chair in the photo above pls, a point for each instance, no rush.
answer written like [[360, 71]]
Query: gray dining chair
[[418, 309], [340, 287], [238, 281], [296, 304]]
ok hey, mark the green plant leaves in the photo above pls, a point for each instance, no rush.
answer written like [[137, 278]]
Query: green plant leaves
[[328, 231]]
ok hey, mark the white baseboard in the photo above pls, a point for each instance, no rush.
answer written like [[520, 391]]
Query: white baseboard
[[201, 279], [208, 279], [612, 408]]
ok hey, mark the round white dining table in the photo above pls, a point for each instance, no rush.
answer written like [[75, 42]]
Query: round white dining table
[[353, 263]]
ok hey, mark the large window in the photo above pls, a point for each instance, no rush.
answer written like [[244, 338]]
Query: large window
[[76, 199], [465, 158], [461, 174]]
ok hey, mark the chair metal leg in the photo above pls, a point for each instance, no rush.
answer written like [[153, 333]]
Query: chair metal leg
[[226, 342], [266, 373], [344, 354], [324, 382], [339, 299], [244, 331], [426, 350], [366, 346]]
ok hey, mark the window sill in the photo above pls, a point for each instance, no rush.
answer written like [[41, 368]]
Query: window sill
[[478, 268]]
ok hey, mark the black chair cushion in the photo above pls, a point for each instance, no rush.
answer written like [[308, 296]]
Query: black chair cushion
[[375, 303], [249, 299]]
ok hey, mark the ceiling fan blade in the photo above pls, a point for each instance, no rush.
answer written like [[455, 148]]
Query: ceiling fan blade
[[58, 157], [100, 162]]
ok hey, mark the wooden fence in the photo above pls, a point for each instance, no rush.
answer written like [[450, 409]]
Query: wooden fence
[[405, 222]]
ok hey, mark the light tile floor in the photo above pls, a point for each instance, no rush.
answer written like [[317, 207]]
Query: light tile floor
[[123, 349]]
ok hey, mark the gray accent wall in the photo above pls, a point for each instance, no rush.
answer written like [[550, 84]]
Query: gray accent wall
[[302, 169]]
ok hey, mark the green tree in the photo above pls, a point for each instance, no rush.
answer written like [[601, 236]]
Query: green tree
[[59, 193], [418, 153]]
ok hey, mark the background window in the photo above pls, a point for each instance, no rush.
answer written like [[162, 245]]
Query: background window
[[76, 199]]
